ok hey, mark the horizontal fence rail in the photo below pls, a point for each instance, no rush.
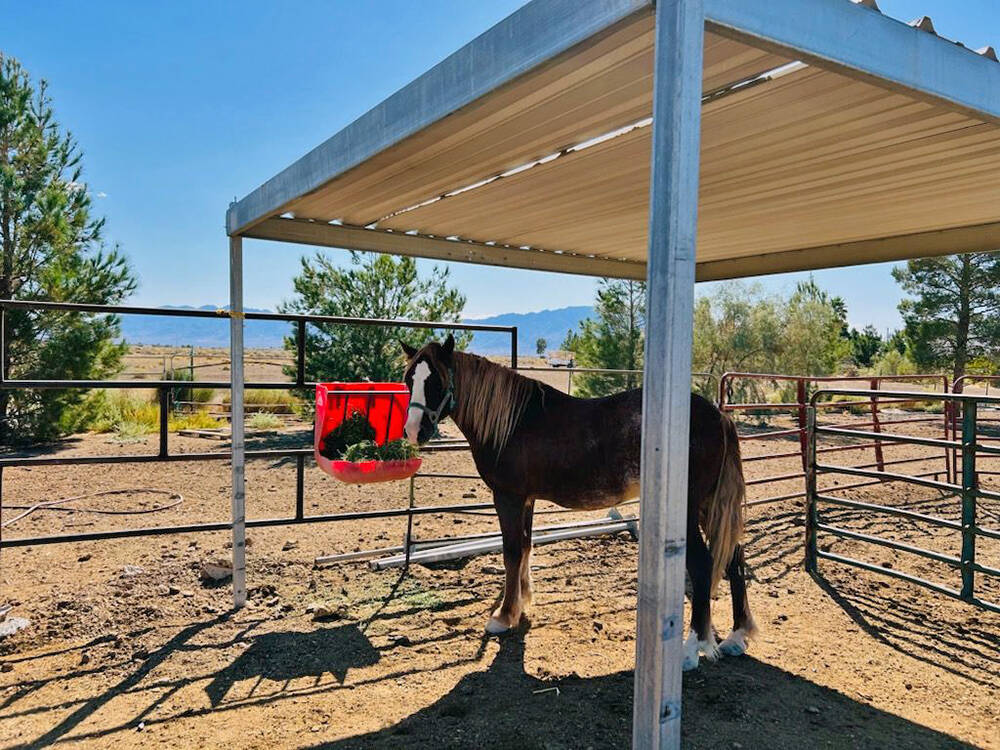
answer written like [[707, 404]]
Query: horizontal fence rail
[[963, 485], [165, 388], [735, 384], [993, 418]]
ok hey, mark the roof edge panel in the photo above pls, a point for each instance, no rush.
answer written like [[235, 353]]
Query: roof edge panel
[[525, 40], [978, 238], [306, 232], [855, 40]]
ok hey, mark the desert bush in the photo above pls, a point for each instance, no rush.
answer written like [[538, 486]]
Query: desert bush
[[892, 362], [130, 414], [198, 420], [263, 421], [202, 395], [266, 400]]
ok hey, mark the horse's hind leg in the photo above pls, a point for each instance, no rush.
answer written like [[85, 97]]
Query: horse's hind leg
[[699, 565], [743, 624], [526, 584], [512, 511]]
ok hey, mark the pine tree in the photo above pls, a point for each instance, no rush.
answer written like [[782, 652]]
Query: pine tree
[[374, 286], [954, 315], [611, 340], [50, 250]]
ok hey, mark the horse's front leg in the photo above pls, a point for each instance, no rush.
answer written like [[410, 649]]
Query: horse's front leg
[[515, 525]]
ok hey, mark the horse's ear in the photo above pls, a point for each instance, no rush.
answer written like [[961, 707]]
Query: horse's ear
[[448, 347], [408, 350]]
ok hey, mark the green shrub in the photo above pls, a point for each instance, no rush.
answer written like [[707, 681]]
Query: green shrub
[[264, 421], [198, 420], [267, 400], [202, 395], [180, 394], [130, 414]]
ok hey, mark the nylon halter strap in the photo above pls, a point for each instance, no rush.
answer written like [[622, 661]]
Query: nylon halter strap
[[434, 415]]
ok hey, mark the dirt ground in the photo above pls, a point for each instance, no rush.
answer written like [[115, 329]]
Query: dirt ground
[[150, 656]]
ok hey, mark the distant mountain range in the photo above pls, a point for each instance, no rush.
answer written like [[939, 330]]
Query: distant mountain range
[[550, 325], [202, 332]]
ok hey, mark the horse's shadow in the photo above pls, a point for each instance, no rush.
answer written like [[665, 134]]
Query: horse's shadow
[[288, 656], [737, 702]]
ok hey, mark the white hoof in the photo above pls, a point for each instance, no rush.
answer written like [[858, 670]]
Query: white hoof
[[709, 648], [496, 627], [735, 644], [693, 647], [690, 652]]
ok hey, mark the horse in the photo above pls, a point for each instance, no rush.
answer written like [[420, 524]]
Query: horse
[[532, 442]]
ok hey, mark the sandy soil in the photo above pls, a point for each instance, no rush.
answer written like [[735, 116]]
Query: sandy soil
[[153, 657]]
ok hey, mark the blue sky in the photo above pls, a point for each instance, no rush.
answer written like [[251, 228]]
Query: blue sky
[[182, 106]]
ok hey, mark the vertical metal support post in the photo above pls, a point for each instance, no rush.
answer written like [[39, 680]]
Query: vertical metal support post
[[513, 348], [969, 488], [947, 452], [812, 518], [800, 391], [569, 382], [300, 487], [408, 539], [877, 426], [949, 469], [300, 353], [300, 381], [237, 443], [164, 420], [666, 408]]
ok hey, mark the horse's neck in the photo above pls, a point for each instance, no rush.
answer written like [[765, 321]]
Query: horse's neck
[[460, 392], [467, 373]]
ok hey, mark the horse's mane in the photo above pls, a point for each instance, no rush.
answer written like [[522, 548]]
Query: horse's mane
[[489, 398]]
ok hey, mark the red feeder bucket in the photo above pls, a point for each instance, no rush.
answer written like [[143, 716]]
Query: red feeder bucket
[[385, 406]]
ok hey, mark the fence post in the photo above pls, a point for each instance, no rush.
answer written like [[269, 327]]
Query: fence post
[[949, 453], [513, 348], [237, 443], [969, 487], [300, 492], [876, 426], [300, 352], [811, 514], [803, 423], [164, 416]]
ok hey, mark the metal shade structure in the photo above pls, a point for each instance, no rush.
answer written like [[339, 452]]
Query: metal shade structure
[[671, 141]]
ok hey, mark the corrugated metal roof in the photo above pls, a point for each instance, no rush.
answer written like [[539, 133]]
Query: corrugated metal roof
[[800, 166]]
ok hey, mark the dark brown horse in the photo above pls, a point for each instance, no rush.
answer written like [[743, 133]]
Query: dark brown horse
[[531, 442]]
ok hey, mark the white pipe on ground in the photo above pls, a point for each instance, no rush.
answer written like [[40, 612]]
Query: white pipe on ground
[[495, 544], [613, 514]]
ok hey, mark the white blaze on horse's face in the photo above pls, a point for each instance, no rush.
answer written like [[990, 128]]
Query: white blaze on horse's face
[[418, 394]]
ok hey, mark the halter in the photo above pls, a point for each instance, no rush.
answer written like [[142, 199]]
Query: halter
[[434, 415]]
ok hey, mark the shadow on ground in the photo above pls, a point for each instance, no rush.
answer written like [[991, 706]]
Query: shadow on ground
[[736, 701], [289, 656]]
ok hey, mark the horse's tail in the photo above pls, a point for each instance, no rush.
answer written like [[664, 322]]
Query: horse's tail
[[722, 517]]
